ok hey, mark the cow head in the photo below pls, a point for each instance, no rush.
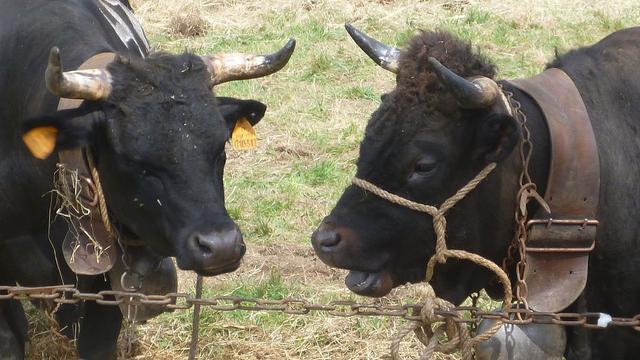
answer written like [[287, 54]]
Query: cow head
[[158, 136], [434, 132]]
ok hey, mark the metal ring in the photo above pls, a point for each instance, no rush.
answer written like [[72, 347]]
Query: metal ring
[[134, 278]]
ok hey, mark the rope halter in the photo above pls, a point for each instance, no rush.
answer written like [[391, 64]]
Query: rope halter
[[463, 341]]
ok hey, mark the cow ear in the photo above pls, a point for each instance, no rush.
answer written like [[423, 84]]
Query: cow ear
[[496, 137], [62, 130], [235, 109]]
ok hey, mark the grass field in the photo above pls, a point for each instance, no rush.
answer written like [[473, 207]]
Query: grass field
[[308, 143]]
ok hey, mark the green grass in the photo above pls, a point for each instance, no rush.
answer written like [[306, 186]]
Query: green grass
[[308, 141], [476, 15]]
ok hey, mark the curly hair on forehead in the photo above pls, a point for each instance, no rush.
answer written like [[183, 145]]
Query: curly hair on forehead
[[416, 81]]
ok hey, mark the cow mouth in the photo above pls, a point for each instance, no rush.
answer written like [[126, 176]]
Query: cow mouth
[[220, 269], [373, 284]]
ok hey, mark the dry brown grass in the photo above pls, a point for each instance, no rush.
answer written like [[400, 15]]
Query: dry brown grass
[[308, 141], [188, 25], [254, 337], [228, 16]]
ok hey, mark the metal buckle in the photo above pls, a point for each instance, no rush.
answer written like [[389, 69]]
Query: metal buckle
[[548, 223]]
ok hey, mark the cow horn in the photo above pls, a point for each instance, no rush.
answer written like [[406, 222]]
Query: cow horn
[[229, 67], [90, 84], [480, 92], [384, 55]]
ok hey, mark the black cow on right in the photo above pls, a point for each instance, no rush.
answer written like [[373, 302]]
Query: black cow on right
[[442, 124]]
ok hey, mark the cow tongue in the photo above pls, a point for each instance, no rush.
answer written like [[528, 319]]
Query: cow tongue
[[375, 284]]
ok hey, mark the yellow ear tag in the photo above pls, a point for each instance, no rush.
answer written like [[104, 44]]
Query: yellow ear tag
[[243, 136], [41, 141]]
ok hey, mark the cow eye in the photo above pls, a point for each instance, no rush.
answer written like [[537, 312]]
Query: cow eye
[[425, 166]]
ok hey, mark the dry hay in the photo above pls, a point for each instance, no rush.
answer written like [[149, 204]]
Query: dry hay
[[230, 16], [188, 24], [314, 337], [67, 204]]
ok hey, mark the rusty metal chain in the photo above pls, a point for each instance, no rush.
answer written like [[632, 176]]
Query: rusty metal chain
[[475, 297], [526, 192], [66, 294]]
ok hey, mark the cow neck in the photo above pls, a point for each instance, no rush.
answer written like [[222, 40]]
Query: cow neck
[[91, 251], [566, 169]]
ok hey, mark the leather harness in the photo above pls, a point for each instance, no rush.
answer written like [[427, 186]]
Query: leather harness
[[78, 249], [559, 243]]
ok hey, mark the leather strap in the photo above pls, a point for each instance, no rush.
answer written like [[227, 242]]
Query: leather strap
[[558, 244], [78, 249]]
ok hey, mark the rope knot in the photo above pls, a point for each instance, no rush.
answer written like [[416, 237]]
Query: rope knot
[[457, 334], [428, 299]]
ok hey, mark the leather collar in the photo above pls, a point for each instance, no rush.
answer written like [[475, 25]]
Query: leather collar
[[559, 243], [91, 250]]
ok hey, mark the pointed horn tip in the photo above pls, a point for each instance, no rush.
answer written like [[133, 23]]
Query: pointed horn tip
[[53, 72], [353, 31], [284, 54], [54, 56], [291, 44], [382, 54], [288, 48]]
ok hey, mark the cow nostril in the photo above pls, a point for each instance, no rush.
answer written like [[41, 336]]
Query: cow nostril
[[203, 245], [216, 249], [329, 239]]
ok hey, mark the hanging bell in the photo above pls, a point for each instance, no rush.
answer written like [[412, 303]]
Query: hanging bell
[[522, 342], [147, 274]]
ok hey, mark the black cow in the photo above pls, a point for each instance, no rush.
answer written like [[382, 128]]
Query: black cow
[[427, 139], [156, 131]]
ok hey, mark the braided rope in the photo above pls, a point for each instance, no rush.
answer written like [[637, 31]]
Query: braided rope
[[457, 333], [364, 184], [102, 202]]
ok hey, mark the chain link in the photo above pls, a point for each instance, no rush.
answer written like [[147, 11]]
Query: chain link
[[471, 315], [526, 192], [64, 294]]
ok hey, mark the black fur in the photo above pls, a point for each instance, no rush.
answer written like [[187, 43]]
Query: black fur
[[158, 142], [420, 123], [416, 81]]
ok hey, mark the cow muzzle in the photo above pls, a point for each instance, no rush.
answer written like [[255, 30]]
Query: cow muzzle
[[341, 247], [332, 243], [215, 252]]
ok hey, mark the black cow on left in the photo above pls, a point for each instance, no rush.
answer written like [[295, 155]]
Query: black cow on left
[[157, 134]]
